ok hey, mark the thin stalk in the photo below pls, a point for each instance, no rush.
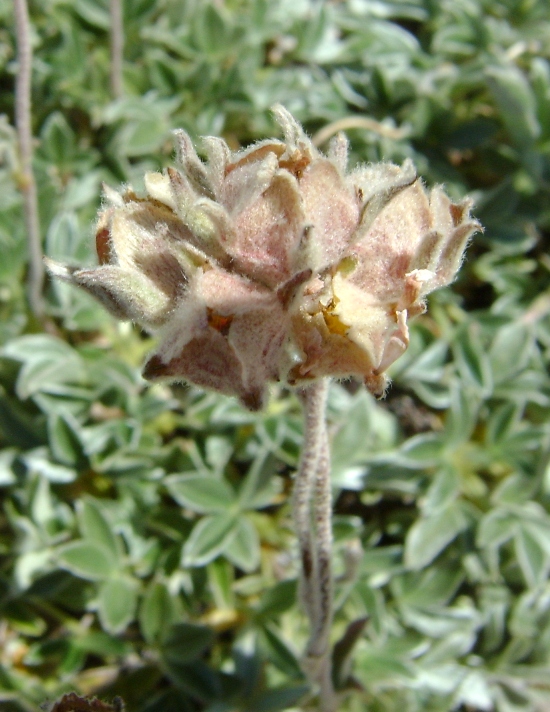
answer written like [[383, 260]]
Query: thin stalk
[[312, 514], [27, 183], [117, 48]]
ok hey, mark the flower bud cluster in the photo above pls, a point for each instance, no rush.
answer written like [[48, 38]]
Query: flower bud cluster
[[274, 263]]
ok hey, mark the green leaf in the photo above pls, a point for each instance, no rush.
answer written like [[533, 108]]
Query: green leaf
[[7, 475], [117, 604], [18, 426], [37, 347], [496, 527], [64, 238], [472, 360], [373, 666], [64, 440], [95, 12], [475, 692], [211, 31], [429, 535], [95, 527], [209, 538], [218, 452], [531, 557], [196, 678], [279, 698], [244, 548], [538, 527], [511, 350], [443, 491], [428, 364], [87, 559], [186, 642], [422, 451], [463, 413], [143, 136], [278, 652], [58, 140], [501, 422], [278, 599], [431, 588], [540, 83], [516, 102], [365, 428], [157, 612], [261, 486], [201, 493], [47, 361], [221, 580]]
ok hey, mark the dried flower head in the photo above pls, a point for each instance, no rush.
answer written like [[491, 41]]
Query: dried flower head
[[71, 702], [274, 263]]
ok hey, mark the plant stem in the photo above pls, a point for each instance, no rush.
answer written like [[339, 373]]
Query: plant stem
[[312, 513], [27, 183], [117, 48]]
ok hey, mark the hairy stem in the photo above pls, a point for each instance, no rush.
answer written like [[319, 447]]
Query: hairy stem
[[117, 47], [27, 183], [313, 522]]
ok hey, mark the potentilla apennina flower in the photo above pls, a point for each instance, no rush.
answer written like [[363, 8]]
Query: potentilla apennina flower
[[277, 264]]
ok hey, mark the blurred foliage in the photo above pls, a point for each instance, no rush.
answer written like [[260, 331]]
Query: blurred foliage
[[145, 534]]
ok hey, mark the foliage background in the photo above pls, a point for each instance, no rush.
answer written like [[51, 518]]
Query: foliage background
[[145, 533]]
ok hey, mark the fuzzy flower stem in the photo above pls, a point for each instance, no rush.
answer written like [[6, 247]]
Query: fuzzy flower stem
[[27, 181], [117, 47], [312, 520]]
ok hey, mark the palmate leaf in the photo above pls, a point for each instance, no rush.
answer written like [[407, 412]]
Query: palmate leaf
[[46, 360]]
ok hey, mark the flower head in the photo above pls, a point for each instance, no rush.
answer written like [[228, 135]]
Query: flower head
[[274, 263]]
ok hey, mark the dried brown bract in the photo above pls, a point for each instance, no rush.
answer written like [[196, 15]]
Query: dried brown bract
[[71, 702]]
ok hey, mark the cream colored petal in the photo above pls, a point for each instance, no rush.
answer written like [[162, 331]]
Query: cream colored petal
[[193, 167], [112, 196], [159, 188], [338, 152], [298, 144], [257, 152], [368, 322], [219, 157]]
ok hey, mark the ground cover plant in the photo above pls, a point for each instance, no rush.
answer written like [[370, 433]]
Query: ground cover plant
[[147, 547]]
